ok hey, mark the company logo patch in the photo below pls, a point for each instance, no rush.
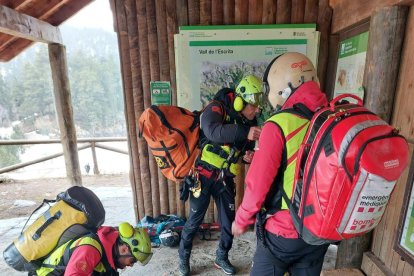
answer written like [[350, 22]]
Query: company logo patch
[[299, 64], [216, 109], [161, 162], [391, 164]]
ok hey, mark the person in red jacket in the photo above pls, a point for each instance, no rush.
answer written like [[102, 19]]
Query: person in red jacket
[[100, 254], [290, 81]]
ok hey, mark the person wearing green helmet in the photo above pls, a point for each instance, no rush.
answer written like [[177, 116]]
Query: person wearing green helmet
[[101, 253], [228, 130]]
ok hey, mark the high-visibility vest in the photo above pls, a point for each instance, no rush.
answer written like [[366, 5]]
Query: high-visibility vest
[[58, 260], [293, 129]]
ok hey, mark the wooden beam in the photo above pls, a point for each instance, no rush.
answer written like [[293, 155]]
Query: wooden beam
[[63, 103], [351, 12], [383, 59], [24, 26], [380, 81]]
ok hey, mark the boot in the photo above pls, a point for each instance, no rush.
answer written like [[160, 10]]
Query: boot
[[184, 267], [225, 265]]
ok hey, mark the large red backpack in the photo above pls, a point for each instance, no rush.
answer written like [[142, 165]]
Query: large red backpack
[[347, 167]]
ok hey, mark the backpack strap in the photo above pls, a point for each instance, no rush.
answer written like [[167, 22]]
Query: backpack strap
[[303, 110]]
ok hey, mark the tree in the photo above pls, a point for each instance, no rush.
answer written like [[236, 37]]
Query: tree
[[10, 155]]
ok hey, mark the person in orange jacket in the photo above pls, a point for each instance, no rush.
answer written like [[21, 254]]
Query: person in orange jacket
[[289, 80]]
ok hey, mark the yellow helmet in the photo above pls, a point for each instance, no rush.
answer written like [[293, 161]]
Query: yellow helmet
[[138, 241], [285, 74], [249, 91]]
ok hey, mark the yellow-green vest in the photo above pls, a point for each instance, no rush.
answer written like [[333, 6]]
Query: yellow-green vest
[[294, 129], [51, 263]]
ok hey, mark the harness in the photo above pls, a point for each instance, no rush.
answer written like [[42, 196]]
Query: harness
[[56, 263]]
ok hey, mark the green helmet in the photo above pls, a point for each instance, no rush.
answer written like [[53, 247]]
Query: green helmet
[[249, 91], [138, 241]]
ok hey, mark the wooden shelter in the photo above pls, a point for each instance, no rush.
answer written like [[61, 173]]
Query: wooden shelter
[[23, 22], [145, 30]]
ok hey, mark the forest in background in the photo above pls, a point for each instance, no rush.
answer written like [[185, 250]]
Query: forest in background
[[26, 90]]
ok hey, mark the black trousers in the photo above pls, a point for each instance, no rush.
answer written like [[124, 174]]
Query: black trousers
[[300, 258], [224, 198]]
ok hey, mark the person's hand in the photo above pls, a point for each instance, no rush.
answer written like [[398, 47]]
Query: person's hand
[[254, 133], [237, 230], [248, 156]]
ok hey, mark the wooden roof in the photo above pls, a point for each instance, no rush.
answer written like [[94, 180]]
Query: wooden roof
[[54, 12]]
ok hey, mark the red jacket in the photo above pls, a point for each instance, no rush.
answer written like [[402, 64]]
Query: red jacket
[[265, 164], [84, 259]]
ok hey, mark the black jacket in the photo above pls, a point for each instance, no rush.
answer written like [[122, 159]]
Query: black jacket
[[222, 125]]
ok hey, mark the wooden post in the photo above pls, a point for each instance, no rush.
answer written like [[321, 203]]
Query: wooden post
[[95, 160], [135, 171], [324, 18], [138, 98], [194, 12], [298, 11], [311, 10], [205, 12], [386, 31], [146, 79], [217, 12], [182, 20], [155, 76], [241, 14], [269, 12], [255, 11], [380, 80], [283, 11], [64, 112], [228, 12]]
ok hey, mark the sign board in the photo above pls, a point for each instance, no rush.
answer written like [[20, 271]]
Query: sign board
[[351, 65], [160, 92], [405, 243], [209, 58]]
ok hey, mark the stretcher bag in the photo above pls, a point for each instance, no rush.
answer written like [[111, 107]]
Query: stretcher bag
[[75, 212], [347, 167], [172, 134]]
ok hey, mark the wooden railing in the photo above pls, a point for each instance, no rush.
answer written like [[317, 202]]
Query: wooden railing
[[90, 143]]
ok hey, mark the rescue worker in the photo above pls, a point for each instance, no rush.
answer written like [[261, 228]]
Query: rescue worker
[[228, 130], [290, 82], [100, 254]]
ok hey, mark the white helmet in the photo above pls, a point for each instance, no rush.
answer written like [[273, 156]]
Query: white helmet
[[285, 74]]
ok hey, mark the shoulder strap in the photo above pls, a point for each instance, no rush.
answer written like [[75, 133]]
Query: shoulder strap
[[303, 110]]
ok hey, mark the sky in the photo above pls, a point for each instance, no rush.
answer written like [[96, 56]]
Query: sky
[[96, 15]]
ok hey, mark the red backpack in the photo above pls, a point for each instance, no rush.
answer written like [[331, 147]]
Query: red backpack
[[347, 167]]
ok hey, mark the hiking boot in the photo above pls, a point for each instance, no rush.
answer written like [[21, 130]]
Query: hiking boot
[[184, 267], [225, 265]]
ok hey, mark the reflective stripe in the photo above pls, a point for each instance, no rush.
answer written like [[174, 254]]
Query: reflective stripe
[[294, 130], [352, 132]]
